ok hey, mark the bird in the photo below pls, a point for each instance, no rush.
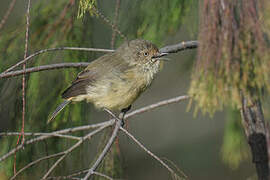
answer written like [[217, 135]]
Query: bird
[[115, 80]]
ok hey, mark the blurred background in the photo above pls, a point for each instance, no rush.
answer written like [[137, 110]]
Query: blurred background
[[202, 147]]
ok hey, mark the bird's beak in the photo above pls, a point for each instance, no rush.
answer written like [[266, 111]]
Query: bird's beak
[[159, 55]]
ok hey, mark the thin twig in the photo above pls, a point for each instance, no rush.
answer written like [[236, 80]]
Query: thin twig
[[40, 134], [24, 65], [158, 104], [110, 122], [149, 152], [167, 49], [106, 148], [80, 173], [35, 162], [115, 22], [43, 68], [23, 81], [10, 8], [106, 20], [179, 47], [66, 152], [69, 130], [55, 49]]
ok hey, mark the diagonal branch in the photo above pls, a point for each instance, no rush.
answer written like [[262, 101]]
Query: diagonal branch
[[55, 49], [69, 130], [35, 162], [10, 8], [151, 154], [167, 49], [80, 173], [109, 122], [106, 148], [43, 68], [179, 47], [40, 134], [66, 152]]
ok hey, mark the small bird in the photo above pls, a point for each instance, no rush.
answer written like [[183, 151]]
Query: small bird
[[115, 80]]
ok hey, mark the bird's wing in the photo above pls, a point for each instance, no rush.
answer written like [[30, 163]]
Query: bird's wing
[[95, 71]]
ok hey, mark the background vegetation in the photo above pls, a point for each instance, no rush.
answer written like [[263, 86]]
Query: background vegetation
[[199, 145]]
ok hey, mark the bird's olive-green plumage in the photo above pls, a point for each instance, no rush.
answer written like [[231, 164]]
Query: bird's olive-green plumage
[[114, 81]]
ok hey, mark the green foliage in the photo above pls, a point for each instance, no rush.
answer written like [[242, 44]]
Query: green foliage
[[54, 24], [233, 56], [155, 19], [86, 5], [234, 148]]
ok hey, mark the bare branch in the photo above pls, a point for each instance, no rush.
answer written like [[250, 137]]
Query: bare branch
[[150, 153], [106, 148], [10, 8], [80, 173], [107, 21], [167, 49], [43, 68], [35, 162], [179, 47], [109, 123], [69, 130], [158, 104], [24, 68], [39, 134], [55, 49], [66, 152]]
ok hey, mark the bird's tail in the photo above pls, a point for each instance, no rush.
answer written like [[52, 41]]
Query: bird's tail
[[58, 109]]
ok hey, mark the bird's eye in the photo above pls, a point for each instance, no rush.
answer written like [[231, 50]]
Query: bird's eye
[[146, 54]]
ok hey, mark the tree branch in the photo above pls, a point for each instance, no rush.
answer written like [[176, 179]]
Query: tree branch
[[66, 152], [106, 148], [35, 162], [79, 173], [55, 49], [86, 127], [167, 49], [69, 130], [43, 68], [179, 47], [10, 8], [254, 126], [152, 154]]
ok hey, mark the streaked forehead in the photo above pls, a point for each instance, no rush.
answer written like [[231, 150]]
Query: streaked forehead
[[142, 44]]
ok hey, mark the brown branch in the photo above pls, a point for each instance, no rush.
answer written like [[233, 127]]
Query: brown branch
[[151, 154], [23, 82], [43, 68], [10, 8], [35, 162], [167, 49], [106, 148], [179, 47], [66, 152], [55, 49], [80, 173], [158, 104], [40, 134], [254, 126], [24, 66], [110, 122], [69, 130]]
